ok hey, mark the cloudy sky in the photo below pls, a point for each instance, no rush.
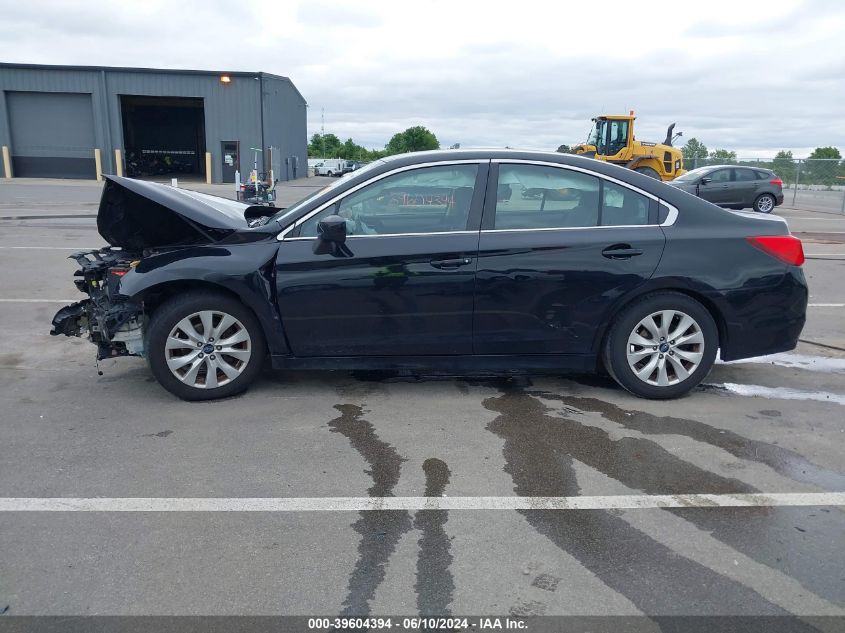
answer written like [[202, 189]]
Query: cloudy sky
[[755, 77]]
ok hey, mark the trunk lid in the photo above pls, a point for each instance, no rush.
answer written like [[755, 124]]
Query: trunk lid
[[136, 215]]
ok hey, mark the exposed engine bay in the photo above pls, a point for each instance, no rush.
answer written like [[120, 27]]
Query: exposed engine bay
[[115, 324]]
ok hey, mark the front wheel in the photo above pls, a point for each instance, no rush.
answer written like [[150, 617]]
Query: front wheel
[[764, 203], [661, 346], [205, 345]]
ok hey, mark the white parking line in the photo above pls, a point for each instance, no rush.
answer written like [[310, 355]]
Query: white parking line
[[38, 300], [358, 504], [48, 248], [809, 305]]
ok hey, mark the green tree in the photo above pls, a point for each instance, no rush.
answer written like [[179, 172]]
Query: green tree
[[324, 146], [822, 166], [564, 149], [784, 164], [723, 156], [414, 139], [825, 152], [694, 152]]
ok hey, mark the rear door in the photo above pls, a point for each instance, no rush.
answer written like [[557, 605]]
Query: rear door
[[744, 186], [555, 254], [404, 285]]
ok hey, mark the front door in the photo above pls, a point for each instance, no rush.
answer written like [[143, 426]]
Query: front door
[[718, 189], [553, 257], [231, 159], [405, 284]]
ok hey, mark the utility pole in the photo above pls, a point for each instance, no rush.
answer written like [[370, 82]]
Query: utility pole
[[323, 130]]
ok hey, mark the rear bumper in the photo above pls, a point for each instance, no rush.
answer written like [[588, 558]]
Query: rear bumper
[[779, 199], [764, 320]]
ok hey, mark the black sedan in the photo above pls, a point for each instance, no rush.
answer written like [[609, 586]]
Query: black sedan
[[422, 262], [734, 187]]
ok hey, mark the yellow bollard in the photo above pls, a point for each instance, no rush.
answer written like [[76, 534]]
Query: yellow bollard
[[208, 168], [98, 164], [118, 163], [7, 162]]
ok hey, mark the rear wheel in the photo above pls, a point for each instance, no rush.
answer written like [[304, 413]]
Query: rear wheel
[[661, 346], [205, 345], [648, 171], [765, 203]]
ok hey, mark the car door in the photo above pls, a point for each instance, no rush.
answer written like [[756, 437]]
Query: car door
[[404, 284], [555, 255], [718, 188], [744, 186]]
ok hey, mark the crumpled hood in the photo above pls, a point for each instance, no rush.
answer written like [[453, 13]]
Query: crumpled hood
[[135, 214]]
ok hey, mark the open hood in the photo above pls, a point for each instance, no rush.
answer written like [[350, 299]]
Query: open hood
[[135, 214]]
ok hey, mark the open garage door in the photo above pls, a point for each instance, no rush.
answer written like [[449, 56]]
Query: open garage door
[[52, 134], [163, 136]]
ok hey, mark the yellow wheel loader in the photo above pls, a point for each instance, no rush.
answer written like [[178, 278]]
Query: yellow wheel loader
[[612, 140]]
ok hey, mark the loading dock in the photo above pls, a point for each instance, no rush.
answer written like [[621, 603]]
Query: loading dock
[[163, 136]]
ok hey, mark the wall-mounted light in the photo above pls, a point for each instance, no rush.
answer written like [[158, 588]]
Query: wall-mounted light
[[225, 79]]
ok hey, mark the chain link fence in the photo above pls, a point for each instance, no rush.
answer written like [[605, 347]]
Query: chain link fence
[[815, 184]]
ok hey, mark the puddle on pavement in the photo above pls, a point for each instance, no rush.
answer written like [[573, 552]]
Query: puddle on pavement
[[539, 449], [782, 460], [380, 530], [434, 583]]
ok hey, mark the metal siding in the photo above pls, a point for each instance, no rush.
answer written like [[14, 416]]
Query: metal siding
[[232, 111], [285, 126]]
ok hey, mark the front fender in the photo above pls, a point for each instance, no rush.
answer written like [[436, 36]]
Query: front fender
[[246, 270]]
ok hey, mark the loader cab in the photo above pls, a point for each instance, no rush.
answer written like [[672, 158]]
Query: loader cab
[[611, 135]]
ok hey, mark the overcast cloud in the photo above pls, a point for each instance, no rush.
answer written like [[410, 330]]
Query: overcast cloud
[[754, 77]]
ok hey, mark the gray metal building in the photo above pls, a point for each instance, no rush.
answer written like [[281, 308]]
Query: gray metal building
[[68, 121]]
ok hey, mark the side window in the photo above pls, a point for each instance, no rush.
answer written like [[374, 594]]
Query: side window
[[720, 175], [426, 200], [622, 207], [540, 197], [744, 175]]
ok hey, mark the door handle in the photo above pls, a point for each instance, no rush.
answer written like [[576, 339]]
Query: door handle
[[621, 251], [451, 263]]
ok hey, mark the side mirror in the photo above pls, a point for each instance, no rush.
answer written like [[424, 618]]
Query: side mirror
[[332, 228], [705, 181], [331, 237]]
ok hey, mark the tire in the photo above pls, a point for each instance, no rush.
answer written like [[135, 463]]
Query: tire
[[628, 328], [180, 320], [648, 171], [329, 174], [765, 203]]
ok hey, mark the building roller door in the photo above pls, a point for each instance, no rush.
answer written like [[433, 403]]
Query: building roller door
[[52, 134]]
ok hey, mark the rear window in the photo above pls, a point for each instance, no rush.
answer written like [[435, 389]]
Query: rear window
[[764, 175], [744, 175]]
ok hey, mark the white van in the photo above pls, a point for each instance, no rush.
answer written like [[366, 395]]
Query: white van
[[329, 167]]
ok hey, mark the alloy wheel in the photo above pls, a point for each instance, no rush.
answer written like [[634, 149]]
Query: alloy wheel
[[665, 348], [208, 349]]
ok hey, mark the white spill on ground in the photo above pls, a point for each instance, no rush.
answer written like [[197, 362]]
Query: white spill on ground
[[797, 361], [783, 393]]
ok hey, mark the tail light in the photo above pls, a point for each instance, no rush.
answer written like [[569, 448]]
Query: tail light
[[786, 248], [776, 181]]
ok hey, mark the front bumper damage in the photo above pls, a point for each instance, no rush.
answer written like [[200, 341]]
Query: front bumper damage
[[113, 322]]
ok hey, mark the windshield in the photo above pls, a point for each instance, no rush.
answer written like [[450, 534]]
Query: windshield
[[596, 133], [695, 174], [290, 211]]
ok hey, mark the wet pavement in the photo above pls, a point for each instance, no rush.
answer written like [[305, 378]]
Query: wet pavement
[[772, 425]]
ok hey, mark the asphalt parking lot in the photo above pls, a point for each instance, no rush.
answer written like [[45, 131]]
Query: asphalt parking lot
[[764, 428]]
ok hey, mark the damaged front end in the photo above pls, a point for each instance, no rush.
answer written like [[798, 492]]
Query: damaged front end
[[113, 322]]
